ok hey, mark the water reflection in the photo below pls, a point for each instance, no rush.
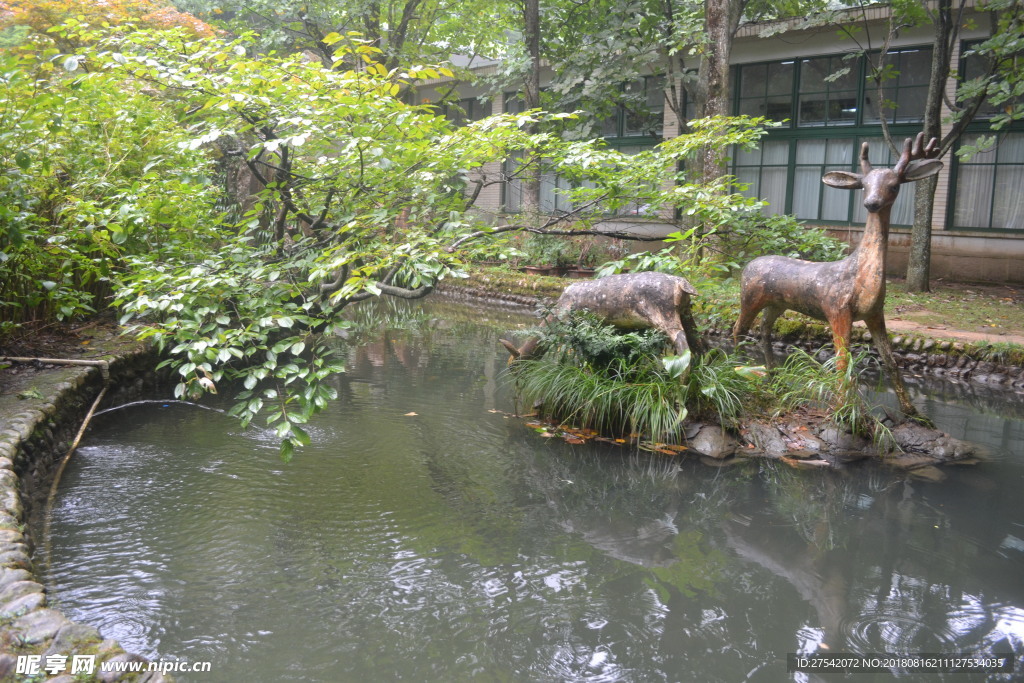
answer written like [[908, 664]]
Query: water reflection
[[454, 543]]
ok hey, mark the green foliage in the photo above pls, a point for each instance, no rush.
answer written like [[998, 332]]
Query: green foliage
[[1007, 353], [752, 235], [1002, 85], [110, 178], [597, 376], [408, 31], [90, 173]]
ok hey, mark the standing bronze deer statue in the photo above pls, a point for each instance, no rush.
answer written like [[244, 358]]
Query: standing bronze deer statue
[[843, 291]]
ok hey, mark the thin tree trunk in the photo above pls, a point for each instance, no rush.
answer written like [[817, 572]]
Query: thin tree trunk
[[919, 261], [920, 258], [721, 19], [531, 95]]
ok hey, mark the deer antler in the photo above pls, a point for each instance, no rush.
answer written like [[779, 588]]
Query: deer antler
[[865, 165], [913, 151]]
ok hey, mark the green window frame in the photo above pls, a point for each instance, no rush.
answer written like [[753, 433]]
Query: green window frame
[[643, 113], [904, 88], [787, 170], [988, 188], [832, 91], [827, 95], [831, 110]]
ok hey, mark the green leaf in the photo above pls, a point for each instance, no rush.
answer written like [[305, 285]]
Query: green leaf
[[677, 366]]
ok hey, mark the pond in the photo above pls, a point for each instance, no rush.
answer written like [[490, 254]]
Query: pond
[[428, 535]]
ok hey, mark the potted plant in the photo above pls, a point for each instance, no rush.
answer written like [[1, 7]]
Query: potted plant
[[542, 254], [585, 256]]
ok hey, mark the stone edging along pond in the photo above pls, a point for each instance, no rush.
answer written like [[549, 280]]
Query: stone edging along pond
[[37, 426]]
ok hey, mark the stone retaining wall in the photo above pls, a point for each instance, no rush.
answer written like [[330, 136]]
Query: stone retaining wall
[[37, 426]]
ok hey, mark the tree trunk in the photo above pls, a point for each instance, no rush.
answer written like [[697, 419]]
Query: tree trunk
[[721, 19], [919, 262], [531, 95]]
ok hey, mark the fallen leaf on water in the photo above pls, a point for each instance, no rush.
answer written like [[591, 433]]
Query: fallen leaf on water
[[547, 435], [620, 441], [574, 440], [409, 414]]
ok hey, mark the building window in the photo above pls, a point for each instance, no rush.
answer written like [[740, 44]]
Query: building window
[[813, 200], [904, 90], [828, 92], [787, 174], [642, 112], [767, 90], [764, 171], [834, 91], [635, 126], [989, 184], [466, 111]]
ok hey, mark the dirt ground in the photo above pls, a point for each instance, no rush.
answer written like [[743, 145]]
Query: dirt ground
[[963, 312], [81, 341]]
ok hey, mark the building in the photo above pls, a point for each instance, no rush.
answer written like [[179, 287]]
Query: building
[[978, 220]]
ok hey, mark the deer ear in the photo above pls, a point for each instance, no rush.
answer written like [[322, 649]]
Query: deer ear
[[844, 180], [921, 168], [511, 348]]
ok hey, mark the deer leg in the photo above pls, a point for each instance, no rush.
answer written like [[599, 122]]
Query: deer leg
[[842, 327], [743, 323], [678, 336], [880, 338], [693, 336], [767, 323]]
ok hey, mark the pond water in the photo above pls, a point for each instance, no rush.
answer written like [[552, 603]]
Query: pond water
[[457, 544]]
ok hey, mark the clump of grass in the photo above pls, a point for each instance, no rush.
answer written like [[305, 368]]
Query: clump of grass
[[608, 403], [803, 379], [1005, 353], [595, 376]]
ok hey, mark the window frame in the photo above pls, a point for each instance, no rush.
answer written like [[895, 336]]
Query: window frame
[[792, 133]]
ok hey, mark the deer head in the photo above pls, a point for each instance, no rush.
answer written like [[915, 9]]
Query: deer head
[[882, 185]]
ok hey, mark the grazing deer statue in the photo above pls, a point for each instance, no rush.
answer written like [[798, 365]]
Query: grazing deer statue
[[848, 290], [631, 301]]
